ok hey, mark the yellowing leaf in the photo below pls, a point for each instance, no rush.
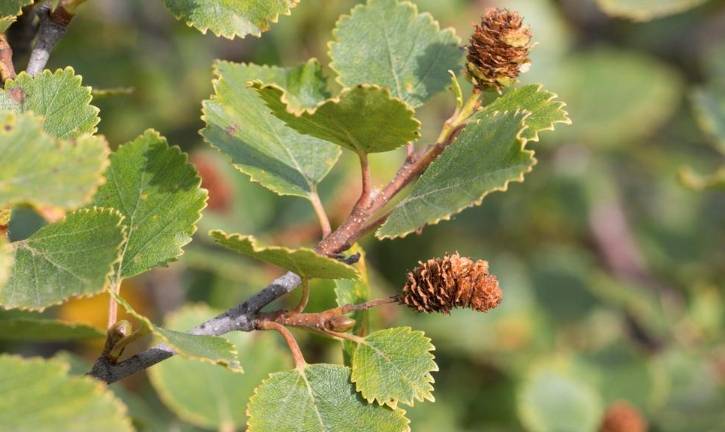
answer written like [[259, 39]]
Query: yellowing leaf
[[38, 169], [305, 262]]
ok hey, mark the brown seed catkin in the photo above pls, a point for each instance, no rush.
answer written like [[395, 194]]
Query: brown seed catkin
[[623, 417], [498, 50], [453, 281]]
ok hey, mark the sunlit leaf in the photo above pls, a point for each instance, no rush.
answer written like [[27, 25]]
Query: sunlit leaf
[[394, 365], [38, 169], [353, 119], [317, 398], [60, 99], [9, 10], [158, 192], [388, 43], [230, 18], [70, 258]]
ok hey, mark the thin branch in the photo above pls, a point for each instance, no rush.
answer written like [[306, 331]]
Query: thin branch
[[245, 316], [52, 28], [366, 182], [321, 214], [113, 304], [289, 338], [240, 317]]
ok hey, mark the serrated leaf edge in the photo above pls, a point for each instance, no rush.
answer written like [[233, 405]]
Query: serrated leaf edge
[[75, 78], [503, 188], [100, 389], [424, 394], [269, 377], [233, 34], [415, 13], [218, 234], [259, 86], [192, 230], [109, 274], [252, 177], [62, 143], [559, 106]]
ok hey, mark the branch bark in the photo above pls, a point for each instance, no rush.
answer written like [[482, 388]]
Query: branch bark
[[246, 315], [52, 28]]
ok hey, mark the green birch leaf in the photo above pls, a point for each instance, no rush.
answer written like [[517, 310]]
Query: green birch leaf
[[388, 43], [239, 124], [352, 120], [646, 10], [64, 173], [554, 399], [209, 396], [214, 350], [709, 105], [158, 192], [61, 99], [230, 19], [545, 111], [485, 157], [46, 330], [305, 262], [354, 292], [70, 258], [317, 398], [40, 396], [10, 10], [394, 365]]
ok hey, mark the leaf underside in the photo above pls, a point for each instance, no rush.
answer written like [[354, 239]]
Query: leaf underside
[[209, 349], [305, 262]]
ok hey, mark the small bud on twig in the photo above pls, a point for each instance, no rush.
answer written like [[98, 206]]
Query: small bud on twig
[[498, 51], [442, 284]]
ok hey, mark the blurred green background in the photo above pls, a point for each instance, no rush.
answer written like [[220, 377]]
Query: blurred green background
[[613, 268]]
